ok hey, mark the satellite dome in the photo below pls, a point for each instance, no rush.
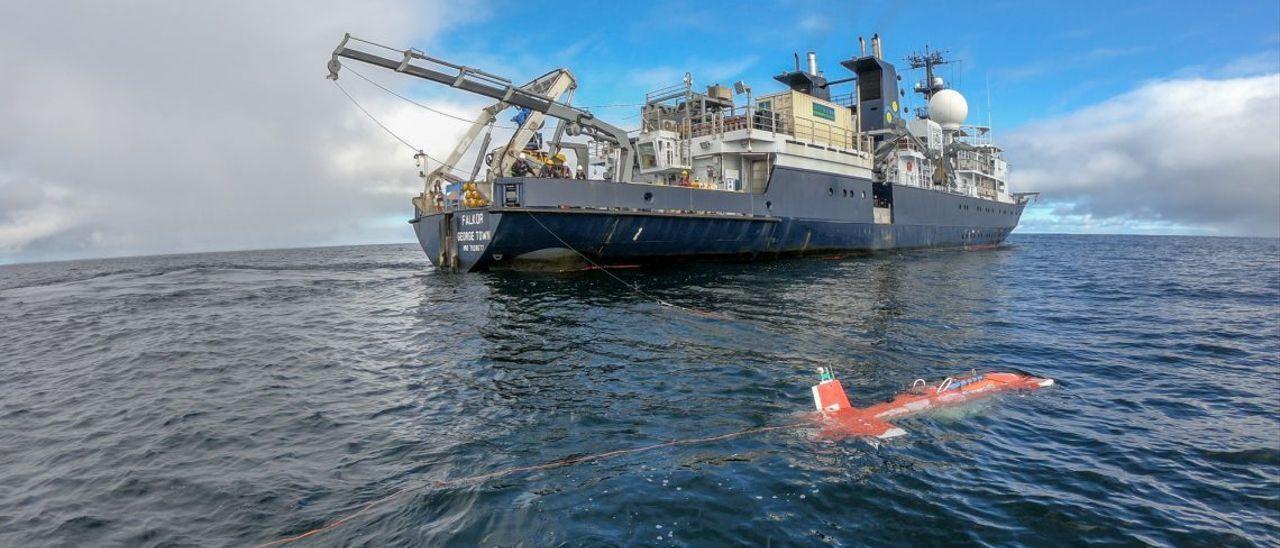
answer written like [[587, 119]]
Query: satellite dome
[[948, 108]]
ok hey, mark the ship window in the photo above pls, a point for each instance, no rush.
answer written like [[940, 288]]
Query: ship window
[[831, 191], [648, 197], [864, 195], [648, 158], [768, 205], [844, 192]]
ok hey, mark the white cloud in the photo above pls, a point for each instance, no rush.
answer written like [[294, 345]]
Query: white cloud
[[1197, 153], [31, 211], [815, 23], [189, 126]]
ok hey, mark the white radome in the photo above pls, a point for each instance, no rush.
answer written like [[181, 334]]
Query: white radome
[[948, 108]]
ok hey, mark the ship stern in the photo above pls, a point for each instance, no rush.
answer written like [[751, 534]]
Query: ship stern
[[457, 240]]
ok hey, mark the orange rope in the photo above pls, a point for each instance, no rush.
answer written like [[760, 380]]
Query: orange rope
[[560, 463]]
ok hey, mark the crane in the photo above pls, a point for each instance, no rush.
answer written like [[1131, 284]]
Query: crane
[[552, 84], [540, 97]]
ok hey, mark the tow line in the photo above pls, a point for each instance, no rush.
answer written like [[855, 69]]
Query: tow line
[[836, 417], [633, 287]]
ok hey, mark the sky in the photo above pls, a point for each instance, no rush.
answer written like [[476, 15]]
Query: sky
[[147, 127]]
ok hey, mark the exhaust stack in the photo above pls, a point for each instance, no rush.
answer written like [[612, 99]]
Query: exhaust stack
[[813, 63]]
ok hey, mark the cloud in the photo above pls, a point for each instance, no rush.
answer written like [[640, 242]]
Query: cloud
[[1198, 155], [815, 23], [30, 211], [1073, 61], [191, 126]]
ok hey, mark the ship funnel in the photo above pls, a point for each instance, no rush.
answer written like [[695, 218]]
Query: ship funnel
[[875, 45], [813, 63], [862, 46], [797, 54]]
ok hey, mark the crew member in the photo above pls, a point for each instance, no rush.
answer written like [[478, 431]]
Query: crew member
[[437, 199], [521, 168]]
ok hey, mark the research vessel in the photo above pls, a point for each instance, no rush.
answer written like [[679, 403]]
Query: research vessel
[[714, 172]]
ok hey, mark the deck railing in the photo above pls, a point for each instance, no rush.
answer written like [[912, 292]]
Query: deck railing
[[802, 129]]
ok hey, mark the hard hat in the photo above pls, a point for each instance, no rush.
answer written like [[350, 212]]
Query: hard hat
[[560, 156]]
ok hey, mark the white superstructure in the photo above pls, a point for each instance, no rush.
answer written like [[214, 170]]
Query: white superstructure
[[706, 140], [938, 151]]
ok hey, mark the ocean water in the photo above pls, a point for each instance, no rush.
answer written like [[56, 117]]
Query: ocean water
[[241, 398]]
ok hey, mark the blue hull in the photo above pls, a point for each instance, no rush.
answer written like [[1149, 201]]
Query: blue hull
[[617, 223]]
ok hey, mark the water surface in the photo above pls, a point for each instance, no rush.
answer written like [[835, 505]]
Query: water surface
[[237, 398]]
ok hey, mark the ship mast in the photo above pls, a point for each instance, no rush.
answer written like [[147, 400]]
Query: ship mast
[[927, 61]]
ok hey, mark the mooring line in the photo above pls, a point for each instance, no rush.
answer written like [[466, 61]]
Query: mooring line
[[636, 287], [550, 465]]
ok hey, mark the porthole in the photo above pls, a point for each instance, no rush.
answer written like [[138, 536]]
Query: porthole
[[831, 191], [768, 206], [844, 192], [648, 197], [864, 195]]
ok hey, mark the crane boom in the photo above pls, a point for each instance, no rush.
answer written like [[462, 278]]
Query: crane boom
[[550, 85], [492, 86]]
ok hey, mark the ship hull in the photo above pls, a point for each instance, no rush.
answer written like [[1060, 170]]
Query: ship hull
[[818, 214]]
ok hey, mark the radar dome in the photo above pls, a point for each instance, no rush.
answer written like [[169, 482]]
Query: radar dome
[[948, 108]]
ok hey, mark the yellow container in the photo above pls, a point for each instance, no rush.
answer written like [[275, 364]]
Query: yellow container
[[809, 118]]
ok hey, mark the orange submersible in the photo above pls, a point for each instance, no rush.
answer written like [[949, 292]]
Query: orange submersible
[[844, 419]]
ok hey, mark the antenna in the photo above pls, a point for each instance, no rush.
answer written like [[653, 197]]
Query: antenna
[[927, 61], [991, 133]]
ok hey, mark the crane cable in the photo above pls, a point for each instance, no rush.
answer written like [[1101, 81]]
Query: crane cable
[[420, 105], [384, 127]]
